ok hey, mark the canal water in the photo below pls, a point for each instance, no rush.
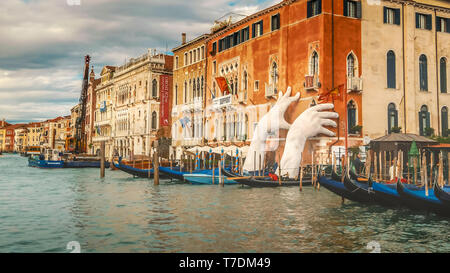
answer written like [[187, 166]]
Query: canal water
[[44, 210]]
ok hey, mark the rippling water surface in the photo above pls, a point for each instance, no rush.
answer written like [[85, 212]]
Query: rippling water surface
[[43, 210]]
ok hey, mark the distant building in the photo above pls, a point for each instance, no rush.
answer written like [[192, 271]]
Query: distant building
[[141, 100], [102, 111]]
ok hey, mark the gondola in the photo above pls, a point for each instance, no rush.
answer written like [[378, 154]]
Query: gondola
[[335, 185], [443, 194], [143, 173], [268, 182], [417, 199], [361, 190]]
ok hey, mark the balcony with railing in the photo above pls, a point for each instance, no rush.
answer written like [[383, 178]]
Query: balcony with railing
[[223, 101], [354, 84], [312, 82], [271, 90]]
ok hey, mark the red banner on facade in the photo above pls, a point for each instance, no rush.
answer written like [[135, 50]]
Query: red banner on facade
[[164, 100]]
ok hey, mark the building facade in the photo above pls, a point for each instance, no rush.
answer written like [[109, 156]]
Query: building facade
[[140, 107], [189, 93], [406, 59], [102, 111], [302, 44]]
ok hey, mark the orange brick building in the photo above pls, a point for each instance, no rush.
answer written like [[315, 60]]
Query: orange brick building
[[311, 45]]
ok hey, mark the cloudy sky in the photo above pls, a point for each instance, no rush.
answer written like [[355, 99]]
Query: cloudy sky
[[43, 43]]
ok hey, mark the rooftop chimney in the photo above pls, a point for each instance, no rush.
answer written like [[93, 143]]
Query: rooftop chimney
[[183, 38]]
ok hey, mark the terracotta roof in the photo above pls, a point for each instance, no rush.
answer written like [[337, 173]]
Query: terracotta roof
[[440, 145], [394, 137]]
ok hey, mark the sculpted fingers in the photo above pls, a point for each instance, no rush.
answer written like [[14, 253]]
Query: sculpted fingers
[[321, 107], [328, 115], [326, 132], [288, 92], [280, 95], [328, 122], [295, 98]]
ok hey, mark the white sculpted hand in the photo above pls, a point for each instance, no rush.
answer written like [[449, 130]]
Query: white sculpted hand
[[274, 119], [309, 124], [267, 125]]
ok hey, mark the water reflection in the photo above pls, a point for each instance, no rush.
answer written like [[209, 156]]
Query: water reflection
[[42, 210]]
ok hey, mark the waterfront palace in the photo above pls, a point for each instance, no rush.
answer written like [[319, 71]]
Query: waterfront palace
[[390, 59]]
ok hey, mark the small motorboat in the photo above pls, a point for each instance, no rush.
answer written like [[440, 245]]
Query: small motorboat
[[45, 164], [84, 164], [416, 198], [50, 160], [178, 172]]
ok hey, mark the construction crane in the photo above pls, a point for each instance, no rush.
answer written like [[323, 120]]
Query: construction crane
[[80, 137]]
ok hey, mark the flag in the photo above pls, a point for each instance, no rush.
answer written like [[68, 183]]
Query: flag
[[223, 85], [184, 121], [332, 95]]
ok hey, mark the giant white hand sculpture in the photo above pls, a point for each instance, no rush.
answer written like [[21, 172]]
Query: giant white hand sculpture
[[309, 124], [269, 124]]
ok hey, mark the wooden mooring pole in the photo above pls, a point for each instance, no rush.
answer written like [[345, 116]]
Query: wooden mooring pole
[[102, 159], [156, 164]]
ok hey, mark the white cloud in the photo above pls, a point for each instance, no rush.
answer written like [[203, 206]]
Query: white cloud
[[44, 41]]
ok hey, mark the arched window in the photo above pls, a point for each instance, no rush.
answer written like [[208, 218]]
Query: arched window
[[351, 115], [245, 126], [198, 87], [245, 80], [185, 91], [274, 76], [351, 66], [154, 88], [232, 86], [213, 95], [193, 90], [201, 86], [176, 94], [154, 121], [424, 120], [392, 117], [236, 85], [444, 121], [423, 72], [391, 80], [314, 64], [443, 68]]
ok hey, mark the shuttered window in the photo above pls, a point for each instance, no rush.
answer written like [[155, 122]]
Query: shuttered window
[[443, 72], [352, 8], [351, 115], [391, 81], [423, 21], [423, 73], [391, 16], [313, 8], [257, 29], [443, 24], [275, 22]]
